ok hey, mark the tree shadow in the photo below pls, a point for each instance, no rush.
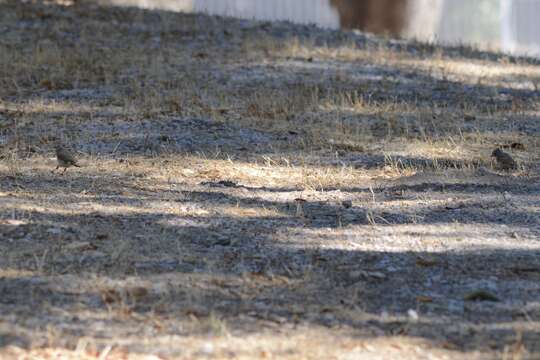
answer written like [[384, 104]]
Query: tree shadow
[[251, 270]]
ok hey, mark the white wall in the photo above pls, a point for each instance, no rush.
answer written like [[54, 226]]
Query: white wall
[[424, 17], [509, 25], [168, 5], [520, 26], [301, 11]]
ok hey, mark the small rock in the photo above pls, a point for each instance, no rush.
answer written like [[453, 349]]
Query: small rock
[[227, 183], [222, 242], [357, 274], [481, 295], [517, 146], [221, 183], [425, 261], [110, 296], [376, 274], [80, 246], [413, 315], [207, 348], [138, 292]]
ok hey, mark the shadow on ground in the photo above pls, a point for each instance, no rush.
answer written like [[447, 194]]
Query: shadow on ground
[[255, 272]]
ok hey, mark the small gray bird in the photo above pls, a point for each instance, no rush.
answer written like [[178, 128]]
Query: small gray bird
[[65, 157], [504, 160]]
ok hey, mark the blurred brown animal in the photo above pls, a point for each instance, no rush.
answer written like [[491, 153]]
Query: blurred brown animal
[[376, 16]]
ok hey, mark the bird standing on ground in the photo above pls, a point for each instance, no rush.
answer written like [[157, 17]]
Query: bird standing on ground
[[504, 160], [65, 157]]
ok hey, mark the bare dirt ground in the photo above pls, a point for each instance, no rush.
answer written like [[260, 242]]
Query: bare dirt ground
[[179, 237]]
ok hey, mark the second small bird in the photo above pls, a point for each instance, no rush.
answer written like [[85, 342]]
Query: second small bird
[[504, 160], [65, 157]]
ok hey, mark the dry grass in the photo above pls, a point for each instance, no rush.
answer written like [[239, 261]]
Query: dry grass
[[179, 236]]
